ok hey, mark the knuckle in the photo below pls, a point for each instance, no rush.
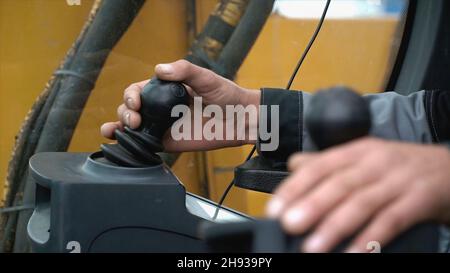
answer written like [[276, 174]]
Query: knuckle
[[105, 130], [183, 64], [209, 81], [131, 90], [131, 87], [126, 93], [126, 114], [120, 109]]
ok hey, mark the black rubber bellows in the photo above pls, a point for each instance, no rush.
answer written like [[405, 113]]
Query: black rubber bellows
[[335, 116], [138, 148]]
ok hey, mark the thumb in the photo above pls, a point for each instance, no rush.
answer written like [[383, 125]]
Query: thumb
[[200, 79]]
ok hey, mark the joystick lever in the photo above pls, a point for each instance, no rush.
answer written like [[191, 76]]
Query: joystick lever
[[138, 147], [335, 116]]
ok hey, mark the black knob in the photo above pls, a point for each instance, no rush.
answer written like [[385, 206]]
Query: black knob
[[337, 115], [137, 148]]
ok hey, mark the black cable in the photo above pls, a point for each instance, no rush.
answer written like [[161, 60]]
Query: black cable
[[227, 190], [222, 199], [308, 47], [291, 80]]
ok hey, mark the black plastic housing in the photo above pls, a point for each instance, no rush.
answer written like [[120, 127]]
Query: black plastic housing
[[84, 204]]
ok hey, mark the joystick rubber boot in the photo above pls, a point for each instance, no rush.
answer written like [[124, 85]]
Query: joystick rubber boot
[[138, 147]]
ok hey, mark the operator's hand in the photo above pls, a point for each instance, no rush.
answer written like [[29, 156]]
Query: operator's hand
[[389, 186], [198, 81]]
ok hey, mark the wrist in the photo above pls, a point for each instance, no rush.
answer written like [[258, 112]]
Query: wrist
[[252, 98]]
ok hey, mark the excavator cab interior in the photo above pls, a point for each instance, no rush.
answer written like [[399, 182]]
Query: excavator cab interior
[[68, 190]]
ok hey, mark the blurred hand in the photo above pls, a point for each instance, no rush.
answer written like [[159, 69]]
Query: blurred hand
[[379, 188], [198, 81]]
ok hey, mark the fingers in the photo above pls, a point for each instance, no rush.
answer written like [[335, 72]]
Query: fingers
[[329, 192], [200, 79], [396, 218], [126, 112], [354, 211], [313, 171], [128, 117], [107, 129], [131, 95], [351, 215], [306, 212], [336, 194]]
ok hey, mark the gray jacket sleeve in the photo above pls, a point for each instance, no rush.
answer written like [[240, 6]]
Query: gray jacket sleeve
[[394, 117]]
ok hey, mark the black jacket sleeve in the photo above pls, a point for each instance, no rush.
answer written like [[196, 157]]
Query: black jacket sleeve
[[290, 105]]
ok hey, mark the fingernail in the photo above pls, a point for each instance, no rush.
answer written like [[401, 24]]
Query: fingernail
[[165, 68], [127, 118], [315, 244], [130, 103], [295, 217], [274, 207]]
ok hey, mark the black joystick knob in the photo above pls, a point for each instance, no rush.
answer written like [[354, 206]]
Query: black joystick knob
[[335, 116], [138, 148]]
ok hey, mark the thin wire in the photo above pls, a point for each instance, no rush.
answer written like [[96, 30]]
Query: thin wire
[[308, 47], [288, 87], [227, 190]]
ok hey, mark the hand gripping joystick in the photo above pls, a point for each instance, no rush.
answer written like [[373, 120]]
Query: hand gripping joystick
[[138, 148], [335, 116]]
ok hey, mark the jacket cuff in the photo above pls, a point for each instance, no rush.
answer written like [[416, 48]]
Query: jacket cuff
[[437, 107], [290, 122]]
